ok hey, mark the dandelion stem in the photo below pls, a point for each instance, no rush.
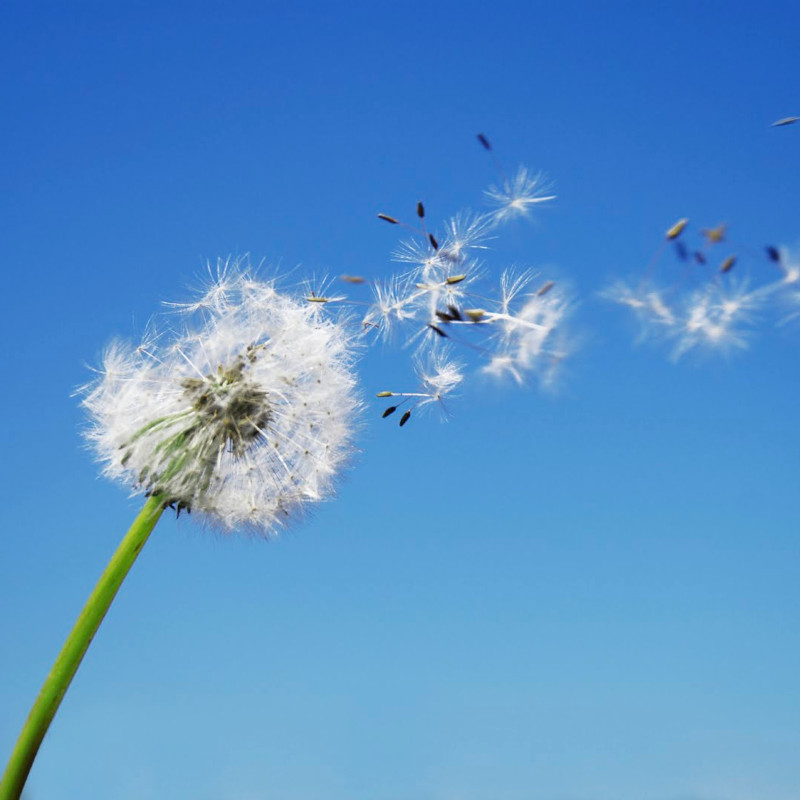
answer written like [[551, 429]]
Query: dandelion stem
[[71, 655]]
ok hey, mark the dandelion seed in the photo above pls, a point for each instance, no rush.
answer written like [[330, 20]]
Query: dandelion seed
[[715, 317], [387, 218], [420, 210], [352, 279], [727, 264], [439, 376], [517, 196], [785, 121], [545, 288], [715, 235], [675, 231], [484, 142], [463, 233], [244, 418]]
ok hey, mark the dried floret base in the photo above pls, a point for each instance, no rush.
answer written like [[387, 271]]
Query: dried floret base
[[71, 655]]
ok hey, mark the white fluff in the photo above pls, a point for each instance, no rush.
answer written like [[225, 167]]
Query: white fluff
[[244, 416]]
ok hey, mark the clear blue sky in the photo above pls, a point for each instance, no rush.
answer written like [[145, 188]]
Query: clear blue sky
[[586, 596]]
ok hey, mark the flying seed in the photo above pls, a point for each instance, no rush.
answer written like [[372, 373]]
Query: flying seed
[[546, 288], [681, 251], [352, 278], [454, 279], [454, 312], [484, 141], [385, 394], [475, 313], [715, 235], [432, 240], [444, 316], [437, 330], [420, 210], [314, 299], [784, 121], [773, 253], [389, 219], [699, 257], [405, 418], [675, 231], [388, 411], [727, 264]]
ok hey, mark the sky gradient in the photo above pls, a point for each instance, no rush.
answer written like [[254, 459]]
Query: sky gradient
[[585, 594]]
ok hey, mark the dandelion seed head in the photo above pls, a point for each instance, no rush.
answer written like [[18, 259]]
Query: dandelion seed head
[[244, 417]]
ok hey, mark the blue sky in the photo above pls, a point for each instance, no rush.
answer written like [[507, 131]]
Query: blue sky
[[585, 595]]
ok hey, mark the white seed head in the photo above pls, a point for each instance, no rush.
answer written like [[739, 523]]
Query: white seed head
[[245, 416]]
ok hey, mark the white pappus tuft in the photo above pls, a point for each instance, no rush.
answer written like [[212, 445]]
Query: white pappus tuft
[[516, 197], [245, 415]]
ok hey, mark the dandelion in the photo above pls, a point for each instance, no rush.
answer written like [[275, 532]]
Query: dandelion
[[516, 197], [244, 417]]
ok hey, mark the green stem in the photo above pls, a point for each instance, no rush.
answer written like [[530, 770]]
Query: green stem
[[69, 659]]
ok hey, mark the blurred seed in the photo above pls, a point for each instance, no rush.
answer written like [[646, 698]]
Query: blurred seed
[[385, 394], [454, 279], [773, 253], [727, 264], [389, 219], [715, 235], [405, 418], [546, 288], [784, 121], [388, 411], [432, 240], [474, 313], [699, 257], [484, 141], [437, 330], [420, 210], [444, 316], [681, 251], [675, 231], [315, 299], [454, 312], [352, 278]]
